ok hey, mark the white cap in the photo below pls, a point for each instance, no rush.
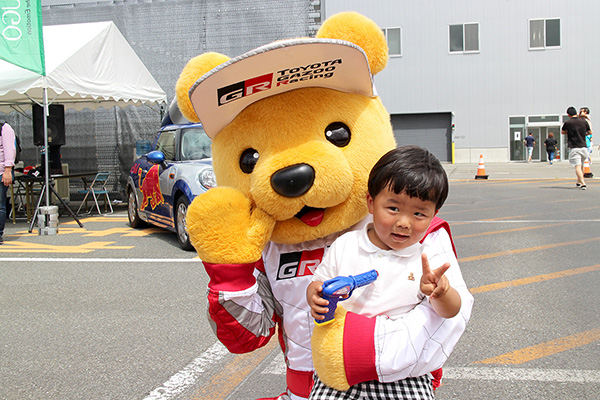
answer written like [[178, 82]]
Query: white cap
[[222, 93]]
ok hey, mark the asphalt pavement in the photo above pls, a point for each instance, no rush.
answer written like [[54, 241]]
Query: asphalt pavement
[[110, 312], [513, 170]]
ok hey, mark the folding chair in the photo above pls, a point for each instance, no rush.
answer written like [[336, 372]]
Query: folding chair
[[97, 189], [17, 199]]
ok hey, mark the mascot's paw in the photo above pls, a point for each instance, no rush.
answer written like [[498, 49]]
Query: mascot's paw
[[226, 229], [328, 352]]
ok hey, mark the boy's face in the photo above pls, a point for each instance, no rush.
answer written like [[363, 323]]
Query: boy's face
[[399, 221]]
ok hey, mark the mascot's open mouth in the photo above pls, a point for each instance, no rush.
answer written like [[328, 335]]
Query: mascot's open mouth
[[311, 216]]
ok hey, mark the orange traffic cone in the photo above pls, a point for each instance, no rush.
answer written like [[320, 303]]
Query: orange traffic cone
[[587, 172], [481, 169]]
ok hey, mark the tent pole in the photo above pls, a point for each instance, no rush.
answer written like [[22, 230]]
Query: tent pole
[[46, 169]]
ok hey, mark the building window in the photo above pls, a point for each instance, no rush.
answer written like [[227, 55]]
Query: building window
[[464, 38], [534, 119], [544, 33], [394, 40]]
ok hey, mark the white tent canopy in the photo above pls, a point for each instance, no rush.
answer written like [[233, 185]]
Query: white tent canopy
[[87, 66]]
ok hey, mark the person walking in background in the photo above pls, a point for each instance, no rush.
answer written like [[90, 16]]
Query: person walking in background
[[576, 129], [529, 142], [584, 113], [550, 143], [8, 152]]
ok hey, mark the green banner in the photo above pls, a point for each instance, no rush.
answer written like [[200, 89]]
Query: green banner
[[21, 36]]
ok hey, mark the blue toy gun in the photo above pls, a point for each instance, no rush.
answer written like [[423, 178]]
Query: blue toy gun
[[336, 288]]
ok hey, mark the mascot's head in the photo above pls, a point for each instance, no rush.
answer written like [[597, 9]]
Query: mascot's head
[[296, 125]]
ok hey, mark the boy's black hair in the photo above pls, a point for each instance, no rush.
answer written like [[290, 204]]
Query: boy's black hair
[[412, 170]]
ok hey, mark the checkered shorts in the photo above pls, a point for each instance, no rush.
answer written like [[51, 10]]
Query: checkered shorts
[[406, 389]]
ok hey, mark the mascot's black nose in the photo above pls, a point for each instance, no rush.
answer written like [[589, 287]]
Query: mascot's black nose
[[293, 181]]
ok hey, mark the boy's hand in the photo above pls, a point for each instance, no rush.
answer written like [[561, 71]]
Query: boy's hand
[[318, 305], [443, 297], [434, 283]]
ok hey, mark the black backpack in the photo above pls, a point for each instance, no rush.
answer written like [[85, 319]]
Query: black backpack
[[17, 145]]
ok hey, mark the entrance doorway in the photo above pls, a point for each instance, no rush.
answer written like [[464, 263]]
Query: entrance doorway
[[540, 126], [540, 134]]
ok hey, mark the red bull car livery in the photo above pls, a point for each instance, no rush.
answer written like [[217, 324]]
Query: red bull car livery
[[163, 182]]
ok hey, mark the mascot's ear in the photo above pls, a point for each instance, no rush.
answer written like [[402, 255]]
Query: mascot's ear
[[360, 30], [194, 69]]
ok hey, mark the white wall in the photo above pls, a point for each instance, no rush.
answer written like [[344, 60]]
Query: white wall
[[504, 78]]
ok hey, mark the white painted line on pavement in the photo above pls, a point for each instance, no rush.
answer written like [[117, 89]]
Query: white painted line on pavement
[[188, 376], [103, 260], [522, 374], [277, 367]]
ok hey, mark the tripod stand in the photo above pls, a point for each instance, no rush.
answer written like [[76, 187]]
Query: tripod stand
[[52, 191]]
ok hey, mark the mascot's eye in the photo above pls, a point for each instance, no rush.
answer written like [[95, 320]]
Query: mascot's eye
[[248, 160], [338, 134]]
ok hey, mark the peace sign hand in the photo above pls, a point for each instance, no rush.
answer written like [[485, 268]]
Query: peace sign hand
[[434, 283], [443, 297]]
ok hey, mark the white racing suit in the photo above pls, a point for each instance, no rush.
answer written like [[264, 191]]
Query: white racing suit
[[247, 301]]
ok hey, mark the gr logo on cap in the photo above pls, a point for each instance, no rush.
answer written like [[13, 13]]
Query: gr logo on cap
[[221, 94]]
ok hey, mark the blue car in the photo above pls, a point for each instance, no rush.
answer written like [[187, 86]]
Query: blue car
[[162, 183]]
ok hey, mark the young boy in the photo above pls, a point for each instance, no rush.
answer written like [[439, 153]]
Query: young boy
[[407, 187]]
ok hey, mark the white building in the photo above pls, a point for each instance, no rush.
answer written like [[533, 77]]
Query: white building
[[477, 75]]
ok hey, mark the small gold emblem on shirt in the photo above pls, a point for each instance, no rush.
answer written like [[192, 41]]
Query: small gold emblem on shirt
[[411, 277]]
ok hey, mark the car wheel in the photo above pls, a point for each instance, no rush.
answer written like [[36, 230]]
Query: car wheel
[[182, 235], [132, 211]]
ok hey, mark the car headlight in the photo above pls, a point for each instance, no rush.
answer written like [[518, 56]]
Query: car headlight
[[206, 178]]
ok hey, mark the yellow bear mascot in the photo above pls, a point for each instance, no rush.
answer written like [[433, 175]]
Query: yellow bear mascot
[[296, 127]]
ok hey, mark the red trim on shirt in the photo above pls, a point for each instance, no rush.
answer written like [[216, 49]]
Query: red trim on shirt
[[299, 383], [359, 349], [438, 223]]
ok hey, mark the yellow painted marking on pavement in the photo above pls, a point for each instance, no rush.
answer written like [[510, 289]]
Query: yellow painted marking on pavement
[[545, 349], [145, 232], [494, 201], [534, 279], [584, 209], [505, 217], [526, 250], [513, 181], [552, 181], [469, 210], [125, 231], [97, 219], [223, 383], [14, 246], [107, 232], [526, 228]]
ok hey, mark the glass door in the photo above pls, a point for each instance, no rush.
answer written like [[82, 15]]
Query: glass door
[[517, 147], [536, 147], [542, 146], [555, 132]]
